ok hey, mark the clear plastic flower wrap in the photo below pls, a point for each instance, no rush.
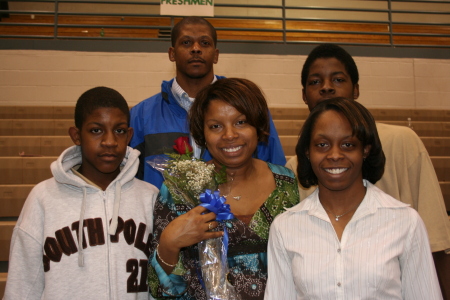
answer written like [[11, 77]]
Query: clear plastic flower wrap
[[191, 181], [213, 252], [213, 261]]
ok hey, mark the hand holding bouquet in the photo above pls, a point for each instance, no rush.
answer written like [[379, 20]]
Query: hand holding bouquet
[[191, 181]]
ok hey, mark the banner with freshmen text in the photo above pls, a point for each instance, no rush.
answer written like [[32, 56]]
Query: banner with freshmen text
[[204, 8]]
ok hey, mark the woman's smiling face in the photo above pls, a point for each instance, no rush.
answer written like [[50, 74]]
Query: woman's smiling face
[[229, 138], [336, 155]]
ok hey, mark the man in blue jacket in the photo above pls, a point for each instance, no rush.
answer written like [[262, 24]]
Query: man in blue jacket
[[159, 120]]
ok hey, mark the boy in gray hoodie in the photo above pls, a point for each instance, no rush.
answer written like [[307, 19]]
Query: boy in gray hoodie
[[85, 233]]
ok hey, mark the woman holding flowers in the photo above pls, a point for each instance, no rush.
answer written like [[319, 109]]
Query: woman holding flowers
[[229, 118], [348, 239]]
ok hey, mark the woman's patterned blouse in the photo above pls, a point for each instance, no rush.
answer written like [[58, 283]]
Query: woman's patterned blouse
[[247, 247]]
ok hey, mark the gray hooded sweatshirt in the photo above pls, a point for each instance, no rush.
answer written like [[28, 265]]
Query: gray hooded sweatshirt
[[55, 256]]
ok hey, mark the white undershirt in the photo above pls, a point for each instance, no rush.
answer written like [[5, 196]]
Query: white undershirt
[[185, 102]]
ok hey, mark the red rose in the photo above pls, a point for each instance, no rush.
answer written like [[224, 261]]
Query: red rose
[[182, 145]]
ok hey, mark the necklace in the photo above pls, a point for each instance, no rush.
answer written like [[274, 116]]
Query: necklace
[[237, 198], [338, 216]]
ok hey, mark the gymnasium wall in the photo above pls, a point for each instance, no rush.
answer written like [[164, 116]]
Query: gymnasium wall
[[48, 77]]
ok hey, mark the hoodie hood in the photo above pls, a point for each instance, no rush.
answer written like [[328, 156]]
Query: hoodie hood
[[61, 170]]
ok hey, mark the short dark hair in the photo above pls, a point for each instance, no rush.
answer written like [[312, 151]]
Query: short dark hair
[[331, 51], [363, 127], [99, 97], [244, 95], [192, 21]]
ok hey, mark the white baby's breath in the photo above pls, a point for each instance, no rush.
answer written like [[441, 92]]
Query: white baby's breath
[[194, 175]]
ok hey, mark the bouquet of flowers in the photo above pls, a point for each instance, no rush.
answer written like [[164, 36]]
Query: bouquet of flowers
[[194, 182]]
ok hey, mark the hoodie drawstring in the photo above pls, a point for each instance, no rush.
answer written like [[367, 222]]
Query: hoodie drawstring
[[80, 230], [115, 217]]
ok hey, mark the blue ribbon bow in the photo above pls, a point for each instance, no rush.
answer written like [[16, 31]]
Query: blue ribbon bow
[[213, 202]]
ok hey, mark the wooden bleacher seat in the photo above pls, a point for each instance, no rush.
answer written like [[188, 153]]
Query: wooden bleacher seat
[[441, 165], [37, 112], [397, 114], [34, 145], [18, 127], [445, 187], [307, 30], [425, 128], [25, 170], [2, 283], [289, 113], [437, 146], [12, 198], [6, 228], [120, 23], [422, 128], [380, 114]]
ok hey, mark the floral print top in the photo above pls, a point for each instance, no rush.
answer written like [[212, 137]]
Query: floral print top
[[247, 247]]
